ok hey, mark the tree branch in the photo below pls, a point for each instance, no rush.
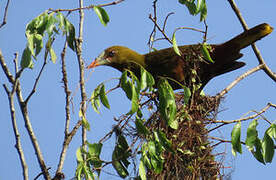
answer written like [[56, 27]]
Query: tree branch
[[269, 105], [6, 69], [87, 7], [67, 111], [81, 69], [28, 125], [18, 146], [36, 81], [241, 77], [266, 69], [5, 14]]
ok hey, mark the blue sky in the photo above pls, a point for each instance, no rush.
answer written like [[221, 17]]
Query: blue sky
[[129, 26]]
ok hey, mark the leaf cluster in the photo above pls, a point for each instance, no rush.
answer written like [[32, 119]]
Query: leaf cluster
[[46, 24], [262, 149]]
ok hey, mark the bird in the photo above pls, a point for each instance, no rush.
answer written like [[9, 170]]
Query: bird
[[192, 67]]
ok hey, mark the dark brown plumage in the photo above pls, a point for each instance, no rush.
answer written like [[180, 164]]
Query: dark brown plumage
[[191, 67]]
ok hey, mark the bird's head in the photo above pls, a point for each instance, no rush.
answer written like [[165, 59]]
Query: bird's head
[[118, 57]]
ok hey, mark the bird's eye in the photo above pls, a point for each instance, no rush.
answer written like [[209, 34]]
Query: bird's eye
[[111, 53]]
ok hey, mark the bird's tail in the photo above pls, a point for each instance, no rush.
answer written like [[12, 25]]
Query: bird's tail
[[248, 37]]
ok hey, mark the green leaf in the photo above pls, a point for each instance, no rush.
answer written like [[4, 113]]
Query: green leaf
[[252, 135], [51, 24], [53, 55], [30, 39], [258, 151], [271, 131], [26, 59], [236, 139], [126, 85], [205, 52], [252, 141], [152, 149], [175, 47], [157, 165], [103, 97], [196, 8], [190, 5], [147, 80], [142, 171], [95, 99], [103, 16], [141, 128], [68, 29], [187, 94], [120, 155], [166, 143], [35, 43], [134, 100], [203, 13], [79, 170], [120, 169], [143, 80], [79, 155], [167, 106], [268, 147], [38, 24], [87, 172], [85, 123], [38, 42], [94, 151], [61, 19], [71, 40]]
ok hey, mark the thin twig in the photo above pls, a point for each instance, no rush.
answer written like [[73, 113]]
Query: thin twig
[[166, 19], [160, 29], [10, 95], [67, 110], [241, 77], [87, 7], [5, 68], [81, 71], [36, 81], [24, 110], [153, 33], [28, 125], [18, 145], [66, 90], [5, 14], [267, 70], [40, 174], [246, 118]]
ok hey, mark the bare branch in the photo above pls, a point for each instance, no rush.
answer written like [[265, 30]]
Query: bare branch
[[36, 81], [166, 19], [81, 70], [40, 174], [249, 117], [28, 125], [67, 109], [88, 7], [5, 14], [66, 90], [267, 70], [241, 77], [24, 110], [153, 33], [6, 69], [16, 133], [159, 28]]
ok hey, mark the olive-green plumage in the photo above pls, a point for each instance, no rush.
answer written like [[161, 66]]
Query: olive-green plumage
[[191, 66]]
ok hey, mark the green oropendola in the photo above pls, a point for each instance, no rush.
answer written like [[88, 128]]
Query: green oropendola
[[192, 66]]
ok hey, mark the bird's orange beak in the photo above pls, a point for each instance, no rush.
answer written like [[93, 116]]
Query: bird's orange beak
[[93, 64]]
